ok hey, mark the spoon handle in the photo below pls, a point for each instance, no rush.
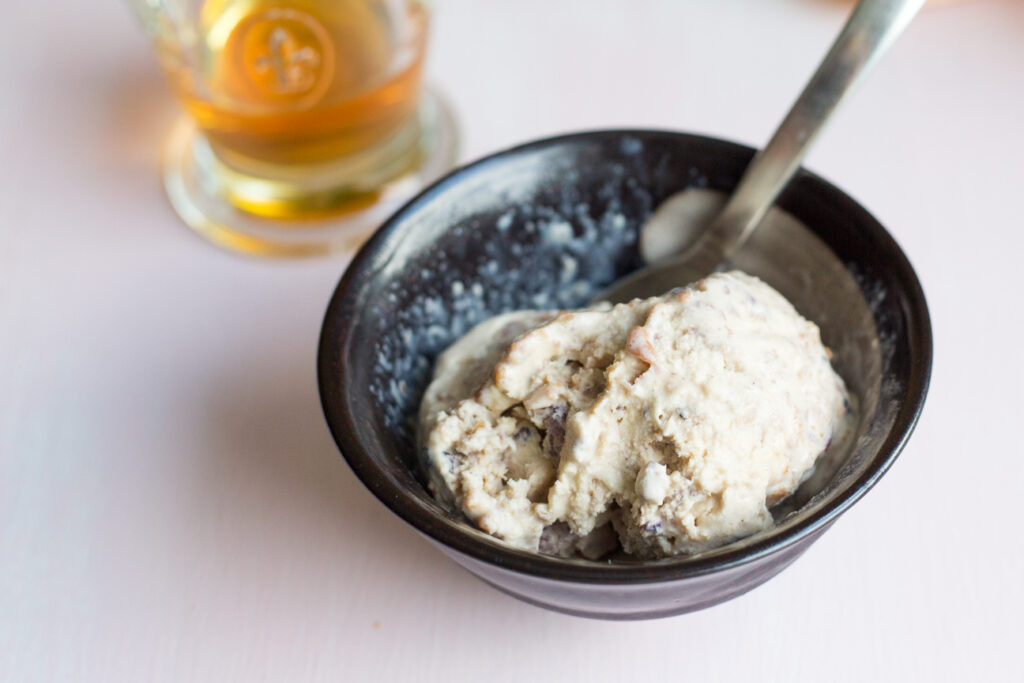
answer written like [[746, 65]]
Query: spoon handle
[[872, 27]]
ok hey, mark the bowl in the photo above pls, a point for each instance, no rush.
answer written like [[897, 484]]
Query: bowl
[[549, 224]]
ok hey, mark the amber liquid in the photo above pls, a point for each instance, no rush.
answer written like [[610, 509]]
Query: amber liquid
[[295, 83]]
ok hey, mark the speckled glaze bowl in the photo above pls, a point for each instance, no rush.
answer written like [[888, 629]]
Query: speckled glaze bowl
[[549, 224]]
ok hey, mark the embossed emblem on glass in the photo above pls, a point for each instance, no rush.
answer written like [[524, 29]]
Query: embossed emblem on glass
[[286, 54]]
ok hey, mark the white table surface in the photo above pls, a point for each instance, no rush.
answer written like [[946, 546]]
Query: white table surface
[[172, 507]]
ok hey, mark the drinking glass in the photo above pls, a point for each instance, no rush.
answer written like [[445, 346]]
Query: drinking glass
[[307, 122]]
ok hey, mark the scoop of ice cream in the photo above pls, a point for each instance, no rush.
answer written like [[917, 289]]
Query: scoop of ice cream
[[676, 421]]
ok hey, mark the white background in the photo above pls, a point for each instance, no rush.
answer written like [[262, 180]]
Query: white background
[[172, 507]]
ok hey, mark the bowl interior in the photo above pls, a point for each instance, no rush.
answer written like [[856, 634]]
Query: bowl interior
[[549, 225]]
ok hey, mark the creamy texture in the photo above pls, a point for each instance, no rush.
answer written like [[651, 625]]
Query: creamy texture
[[667, 425]]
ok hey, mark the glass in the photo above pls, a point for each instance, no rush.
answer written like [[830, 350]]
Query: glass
[[307, 120]]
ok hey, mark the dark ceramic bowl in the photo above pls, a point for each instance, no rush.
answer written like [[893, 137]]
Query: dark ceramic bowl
[[549, 224]]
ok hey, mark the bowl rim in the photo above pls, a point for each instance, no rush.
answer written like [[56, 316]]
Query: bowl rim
[[331, 380]]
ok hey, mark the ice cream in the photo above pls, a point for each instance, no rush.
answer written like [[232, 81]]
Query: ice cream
[[665, 426]]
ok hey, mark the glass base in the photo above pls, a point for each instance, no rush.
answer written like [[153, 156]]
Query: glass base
[[208, 195]]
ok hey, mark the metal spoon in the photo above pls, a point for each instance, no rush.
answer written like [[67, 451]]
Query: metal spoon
[[872, 27]]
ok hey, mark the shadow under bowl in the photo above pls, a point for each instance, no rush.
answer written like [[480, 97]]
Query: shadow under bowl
[[548, 225]]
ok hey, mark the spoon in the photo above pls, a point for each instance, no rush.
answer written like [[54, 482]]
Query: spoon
[[872, 27]]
